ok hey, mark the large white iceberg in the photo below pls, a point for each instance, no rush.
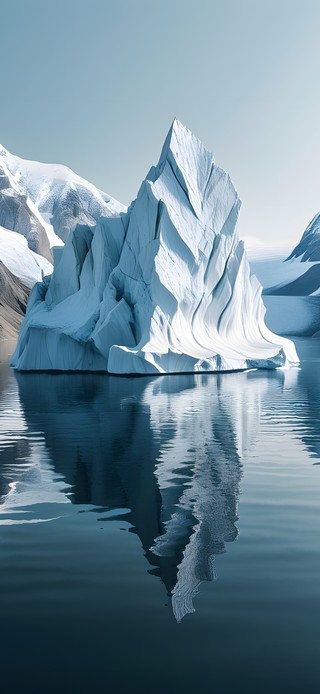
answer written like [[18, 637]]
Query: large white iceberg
[[164, 287]]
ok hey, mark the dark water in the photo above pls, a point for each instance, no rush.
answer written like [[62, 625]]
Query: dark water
[[161, 535]]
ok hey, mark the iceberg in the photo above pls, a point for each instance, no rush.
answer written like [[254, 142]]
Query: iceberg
[[299, 274], [163, 287]]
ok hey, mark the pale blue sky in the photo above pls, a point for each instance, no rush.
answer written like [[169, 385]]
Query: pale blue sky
[[95, 85]]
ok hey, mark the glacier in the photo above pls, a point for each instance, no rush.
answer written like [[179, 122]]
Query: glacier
[[163, 287]]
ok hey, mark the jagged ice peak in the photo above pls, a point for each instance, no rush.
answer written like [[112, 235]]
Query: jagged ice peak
[[163, 287]]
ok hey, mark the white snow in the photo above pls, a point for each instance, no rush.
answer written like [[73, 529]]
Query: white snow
[[39, 204], [63, 198], [18, 213], [164, 288], [308, 247], [30, 267]]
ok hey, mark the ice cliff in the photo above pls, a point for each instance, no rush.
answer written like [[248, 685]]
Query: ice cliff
[[164, 287]]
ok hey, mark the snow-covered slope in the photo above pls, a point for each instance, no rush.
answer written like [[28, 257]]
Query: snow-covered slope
[[164, 288], [15, 254], [308, 247], [292, 286], [62, 198], [299, 275], [19, 214], [39, 204], [20, 269]]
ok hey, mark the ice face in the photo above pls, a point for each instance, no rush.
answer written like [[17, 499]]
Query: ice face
[[162, 288]]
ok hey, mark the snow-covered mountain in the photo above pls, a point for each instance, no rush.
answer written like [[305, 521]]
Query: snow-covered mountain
[[292, 286], [39, 205], [20, 269], [25, 253], [164, 287], [62, 198], [299, 274], [16, 255], [308, 247], [18, 213]]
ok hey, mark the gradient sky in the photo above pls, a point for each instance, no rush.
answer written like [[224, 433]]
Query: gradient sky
[[95, 84]]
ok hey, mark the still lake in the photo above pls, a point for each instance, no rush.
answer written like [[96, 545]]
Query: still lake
[[161, 534]]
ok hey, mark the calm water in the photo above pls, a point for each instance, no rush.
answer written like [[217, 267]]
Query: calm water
[[161, 535]]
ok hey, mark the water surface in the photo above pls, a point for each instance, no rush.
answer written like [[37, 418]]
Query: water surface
[[161, 534]]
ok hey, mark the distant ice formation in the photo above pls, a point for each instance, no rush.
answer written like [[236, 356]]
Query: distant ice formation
[[308, 247], [300, 274], [292, 288], [164, 287]]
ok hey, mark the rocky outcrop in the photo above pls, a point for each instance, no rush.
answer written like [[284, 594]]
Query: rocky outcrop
[[13, 301]]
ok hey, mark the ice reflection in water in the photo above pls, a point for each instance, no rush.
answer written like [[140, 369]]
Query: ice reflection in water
[[168, 451]]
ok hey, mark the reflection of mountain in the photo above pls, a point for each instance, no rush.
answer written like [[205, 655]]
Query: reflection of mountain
[[27, 477], [169, 450]]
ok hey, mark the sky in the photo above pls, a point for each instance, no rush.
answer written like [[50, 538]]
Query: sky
[[95, 85]]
